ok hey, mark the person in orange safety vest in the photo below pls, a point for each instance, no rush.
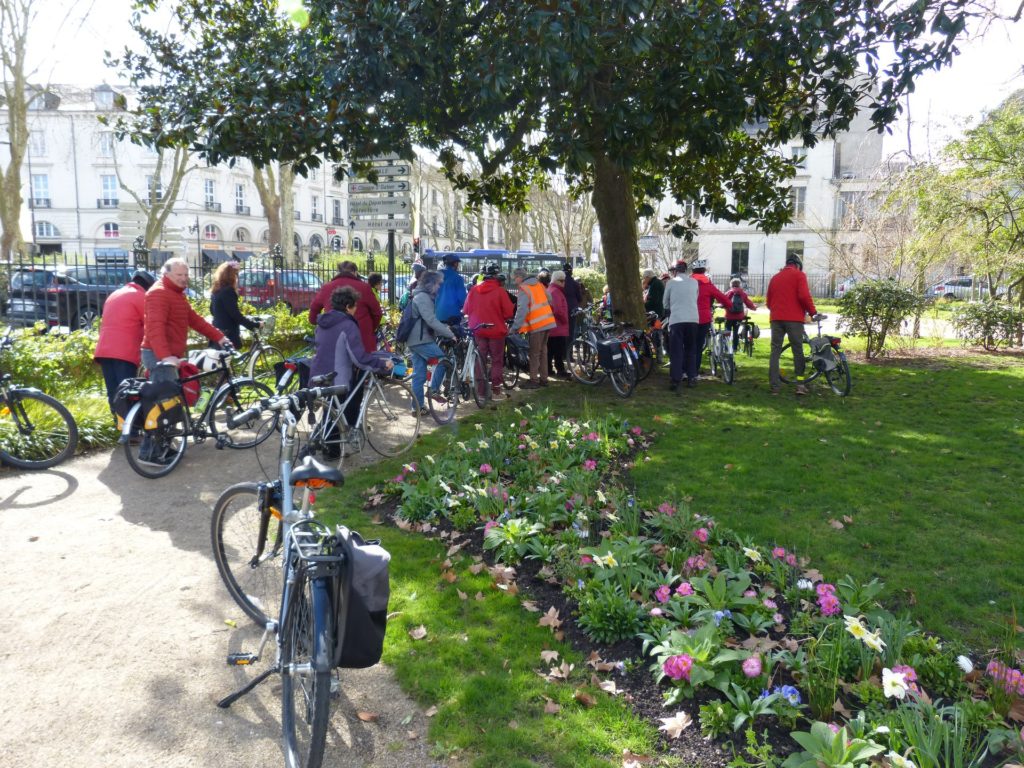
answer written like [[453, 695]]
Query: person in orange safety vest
[[535, 318]]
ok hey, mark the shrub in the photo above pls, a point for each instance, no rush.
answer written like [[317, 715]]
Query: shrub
[[989, 323], [875, 308], [61, 366], [608, 615]]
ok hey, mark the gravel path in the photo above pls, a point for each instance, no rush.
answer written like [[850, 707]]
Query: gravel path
[[114, 626]]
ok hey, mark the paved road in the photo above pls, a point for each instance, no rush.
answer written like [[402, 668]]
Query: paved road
[[114, 636]]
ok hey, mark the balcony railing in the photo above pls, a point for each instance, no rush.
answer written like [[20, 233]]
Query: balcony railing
[[39, 202], [215, 207], [298, 216], [242, 210], [317, 217], [337, 220], [106, 202]]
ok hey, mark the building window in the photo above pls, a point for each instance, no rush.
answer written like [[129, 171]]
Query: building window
[[797, 202], [336, 243], [740, 264], [336, 211], [155, 189], [795, 248], [109, 182], [357, 244], [46, 229], [40, 191], [242, 235], [799, 156], [106, 144], [210, 232], [37, 144], [849, 210], [111, 230], [314, 174], [433, 197], [209, 191], [239, 195], [690, 210], [103, 97], [315, 205]]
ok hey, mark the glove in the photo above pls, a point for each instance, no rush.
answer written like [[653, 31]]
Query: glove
[[227, 346], [459, 331]]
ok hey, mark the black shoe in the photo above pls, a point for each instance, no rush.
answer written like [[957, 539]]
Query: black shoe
[[674, 386], [691, 383]]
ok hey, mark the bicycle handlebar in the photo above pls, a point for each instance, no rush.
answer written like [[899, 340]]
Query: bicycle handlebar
[[299, 399]]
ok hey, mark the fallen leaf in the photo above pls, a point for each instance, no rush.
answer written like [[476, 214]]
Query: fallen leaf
[[430, 712], [453, 549], [368, 717], [728, 466], [446, 565], [449, 576], [530, 606], [479, 596], [376, 520], [411, 735], [1017, 711], [599, 664], [402, 524], [675, 725], [840, 709], [629, 760], [586, 699], [550, 619], [608, 686], [562, 671], [836, 524], [462, 595], [847, 519], [548, 656], [513, 725], [418, 633], [550, 707], [231, 622]]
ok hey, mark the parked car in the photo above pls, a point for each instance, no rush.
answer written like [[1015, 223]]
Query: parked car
[[401, 286], [62, 296], [266, 287], [958, 288]]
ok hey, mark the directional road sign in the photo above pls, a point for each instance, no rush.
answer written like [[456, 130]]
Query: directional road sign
[[385, 158], [392, 170], [362, 187], [375, 206], [398, 225]]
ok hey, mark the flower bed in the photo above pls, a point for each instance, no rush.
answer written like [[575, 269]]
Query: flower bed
[[746, 644]]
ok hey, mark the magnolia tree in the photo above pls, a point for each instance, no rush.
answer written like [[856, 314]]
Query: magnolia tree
[[632, 100]]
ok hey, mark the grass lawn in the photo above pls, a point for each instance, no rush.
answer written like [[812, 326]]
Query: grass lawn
[[924, 458]]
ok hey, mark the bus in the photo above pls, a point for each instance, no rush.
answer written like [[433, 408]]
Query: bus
[[472, 262]]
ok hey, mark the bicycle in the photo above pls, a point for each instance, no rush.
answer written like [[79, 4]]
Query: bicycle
[[388, 420], [749, 331], [822, 356], [262, 359], [284, 569], [36, 430], [169, 423], [720, 353], [456, 376]]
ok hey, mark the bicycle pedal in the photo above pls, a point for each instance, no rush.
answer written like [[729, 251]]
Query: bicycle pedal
[[242, 659]]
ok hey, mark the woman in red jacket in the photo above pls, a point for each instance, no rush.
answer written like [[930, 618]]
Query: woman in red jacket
[[488, 302], [119, 346]]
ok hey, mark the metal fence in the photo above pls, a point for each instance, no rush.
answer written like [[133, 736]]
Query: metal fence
[[821, 284]]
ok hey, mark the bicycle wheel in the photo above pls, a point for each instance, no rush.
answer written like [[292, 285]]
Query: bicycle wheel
[[305, 672], [624, 379], [728, 369], [36, 430], [480, 379], [645, 355], [390, 418], [584, 366], [786, 363], [839, 377], [246, 535], [235, 397], [264, 364], [510, 373], [156, 452], [445, 401]]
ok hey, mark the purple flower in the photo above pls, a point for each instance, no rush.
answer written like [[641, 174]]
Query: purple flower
[[663, 593], [684, 589], [485, 469], [678, 667], [752, 666], [590, 465]]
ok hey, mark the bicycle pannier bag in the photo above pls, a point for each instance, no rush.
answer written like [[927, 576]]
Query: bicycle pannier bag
[[126, 396], [755, 331], [609, 354], [410, 316], [190, 390], [161, 404], [361, 598], [519, 349]]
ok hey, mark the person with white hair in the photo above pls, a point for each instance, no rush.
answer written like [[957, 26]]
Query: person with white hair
[[558, 337]]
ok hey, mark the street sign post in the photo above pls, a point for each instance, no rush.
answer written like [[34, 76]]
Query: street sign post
[[377, 206], [362, 187]]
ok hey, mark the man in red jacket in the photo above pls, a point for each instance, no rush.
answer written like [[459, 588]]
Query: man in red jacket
[[368, 311], [789, 299], [488, 302], [706, 295], [119, 346]]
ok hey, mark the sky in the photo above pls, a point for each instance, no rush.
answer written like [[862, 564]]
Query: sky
[[70, 37]]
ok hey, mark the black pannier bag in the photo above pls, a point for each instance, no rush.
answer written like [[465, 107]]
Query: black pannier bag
[[610, 355], [301, 369], [361, 597], [519, 350], [161, 404], [127, 395]]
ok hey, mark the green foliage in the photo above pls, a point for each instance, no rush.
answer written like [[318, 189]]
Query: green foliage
[[608, 615], [716, 719], [755, 753], [989, 323], [59, 365], [747, 707], [593, 279], [875, 309], [820, 678], [941, 737], [824, 749], [511, 539]]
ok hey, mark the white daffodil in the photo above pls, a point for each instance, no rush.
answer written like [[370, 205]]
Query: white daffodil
[[855, 626], [429, 458], [805, 584], [752, 554], [965, 664], [873, 641], [483, 444], [894, 684], [608, 560], [897, 760], [444, 486], [479, 427]]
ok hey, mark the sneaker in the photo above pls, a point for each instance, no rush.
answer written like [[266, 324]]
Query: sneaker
[[529, 385], [422, 410], [160, 460], [691, 383], [498, 396]]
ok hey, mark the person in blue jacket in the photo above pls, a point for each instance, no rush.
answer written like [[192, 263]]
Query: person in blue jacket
[[452, 295]]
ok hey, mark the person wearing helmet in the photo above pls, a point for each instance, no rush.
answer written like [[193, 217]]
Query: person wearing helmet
[[706, 298], [488, 302], [119, 346], [681, 317], [452, 295], [789, 300]]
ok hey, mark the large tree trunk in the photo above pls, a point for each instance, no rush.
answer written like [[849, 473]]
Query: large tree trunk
[[616, 218], [286, 183], [266, 187]]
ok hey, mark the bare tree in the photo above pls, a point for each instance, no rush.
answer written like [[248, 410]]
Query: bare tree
[[16, 17], [157, 203]]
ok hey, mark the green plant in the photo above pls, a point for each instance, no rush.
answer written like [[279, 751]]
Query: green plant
[[511, 539], [894, 633], [858, 598], [722, 593], [761, 755], [608, 615], [941, 737], [707, 664], [716, 719], [747, 707], [820, 678], [823, 748], [988, 323], [875, 308]]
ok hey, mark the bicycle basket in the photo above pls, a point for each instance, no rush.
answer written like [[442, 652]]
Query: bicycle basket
[[609, 354], [269, 322], [361, 593], [205, 359]]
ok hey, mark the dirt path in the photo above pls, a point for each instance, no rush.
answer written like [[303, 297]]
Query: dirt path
[[114, 636]]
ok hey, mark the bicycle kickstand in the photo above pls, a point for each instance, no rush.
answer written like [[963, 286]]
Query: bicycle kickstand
[[245, 660]]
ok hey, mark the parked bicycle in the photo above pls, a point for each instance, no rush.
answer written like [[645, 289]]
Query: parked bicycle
[[720, 353], [388, 420], [286, 571], [608, 351], [458, 375], [261, 359], [822, 356], [749, 332], [168, 422], [36, 430]]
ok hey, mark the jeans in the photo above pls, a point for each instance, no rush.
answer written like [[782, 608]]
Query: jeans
[[703, 336], [683, 351], [780, 331], [114, 372], [734, 326], [421, 353]]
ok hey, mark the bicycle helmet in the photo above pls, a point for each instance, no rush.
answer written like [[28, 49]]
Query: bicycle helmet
[[143, 278], [794, 259], [699, 265], [451, 259], [679, 266], [491, 269]]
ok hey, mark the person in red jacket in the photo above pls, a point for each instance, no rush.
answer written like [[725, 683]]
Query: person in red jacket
[[739, 302], [119, 346], [168, 319], [368, 311], [707, 293], [488, 302], [789, 300]]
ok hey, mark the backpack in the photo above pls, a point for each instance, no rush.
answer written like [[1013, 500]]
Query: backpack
[[409, 319], [737, 303], [361, 593]]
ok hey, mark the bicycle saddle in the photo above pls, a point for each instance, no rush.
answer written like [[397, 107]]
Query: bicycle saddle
[[310, 469], [323, 380]]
